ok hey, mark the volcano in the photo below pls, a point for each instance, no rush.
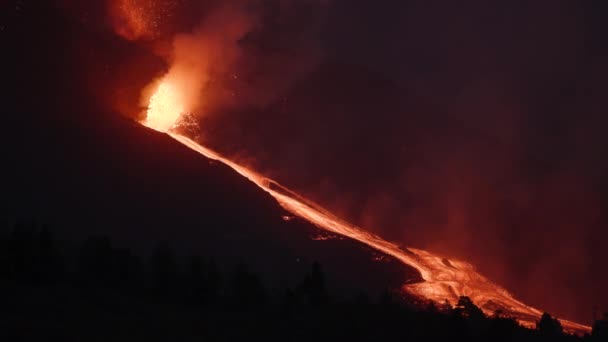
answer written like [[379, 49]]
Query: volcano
[[84, 170], [80, 167]]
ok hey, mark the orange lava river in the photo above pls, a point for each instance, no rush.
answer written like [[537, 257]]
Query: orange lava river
[[443, 278]]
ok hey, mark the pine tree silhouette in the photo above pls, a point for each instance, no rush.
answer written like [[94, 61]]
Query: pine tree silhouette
[[549, 327]]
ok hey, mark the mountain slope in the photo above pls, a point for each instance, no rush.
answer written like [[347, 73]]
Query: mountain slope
[[117, 178], [74, 164]]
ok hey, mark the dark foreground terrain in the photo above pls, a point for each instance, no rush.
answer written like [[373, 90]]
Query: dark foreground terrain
[[93, 291]]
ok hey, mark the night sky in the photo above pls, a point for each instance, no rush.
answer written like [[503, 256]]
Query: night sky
[[474, 129]]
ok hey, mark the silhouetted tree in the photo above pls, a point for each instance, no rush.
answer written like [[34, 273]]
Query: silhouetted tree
[[4, 259], [387, 302], [212, 288], [467, 309], [313, 286], [600, 329], [318, 292], [129, 270], [498, 314], [502, 327], [549, 327], [49, 261], [432, 307], [446, 307], [195, 282], [164, 270], [386, 298], [247, 289], [289, 302], [96, 264], [21, 253], [362, 300]]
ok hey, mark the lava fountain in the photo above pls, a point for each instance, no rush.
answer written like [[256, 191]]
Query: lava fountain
[[444, 279], [165, 107]]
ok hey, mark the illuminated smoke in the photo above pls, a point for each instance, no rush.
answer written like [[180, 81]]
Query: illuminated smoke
[[200, 56]]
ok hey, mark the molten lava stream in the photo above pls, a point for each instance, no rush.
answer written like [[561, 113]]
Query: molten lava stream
[[443, 279]]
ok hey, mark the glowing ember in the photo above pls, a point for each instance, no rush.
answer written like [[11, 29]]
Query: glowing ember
[[443, 279]]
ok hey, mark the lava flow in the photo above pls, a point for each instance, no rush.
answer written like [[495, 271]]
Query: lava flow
[[444, 279]]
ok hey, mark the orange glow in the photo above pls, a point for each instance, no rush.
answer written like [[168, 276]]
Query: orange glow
[[165, 107], [443, 278]]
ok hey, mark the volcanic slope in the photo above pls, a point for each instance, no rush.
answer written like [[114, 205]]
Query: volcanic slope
[[71, 162]]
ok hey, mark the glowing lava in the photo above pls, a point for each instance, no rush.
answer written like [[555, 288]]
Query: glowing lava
[[165, 107], [443, 279]]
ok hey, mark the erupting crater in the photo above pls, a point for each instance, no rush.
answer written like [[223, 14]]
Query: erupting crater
[[444, 279], [165, 107]]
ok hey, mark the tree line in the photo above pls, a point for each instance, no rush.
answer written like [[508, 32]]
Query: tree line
[[97, 291]]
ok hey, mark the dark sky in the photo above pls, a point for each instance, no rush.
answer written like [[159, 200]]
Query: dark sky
[[472, 128]]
